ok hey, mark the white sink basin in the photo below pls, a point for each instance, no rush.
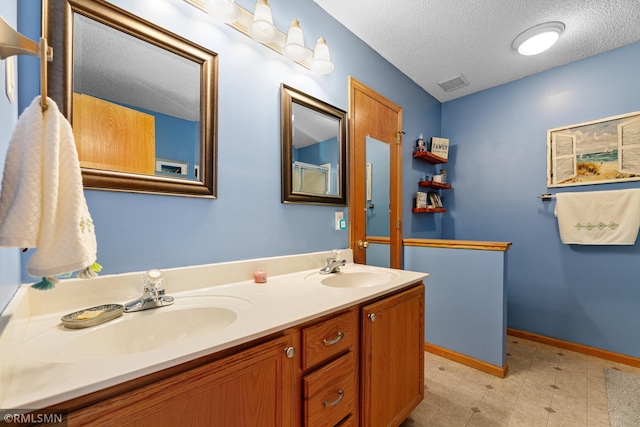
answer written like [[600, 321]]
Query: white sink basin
[[356, 277], [138, 332]]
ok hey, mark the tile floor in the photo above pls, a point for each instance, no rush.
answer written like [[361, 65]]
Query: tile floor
[[545, 386]]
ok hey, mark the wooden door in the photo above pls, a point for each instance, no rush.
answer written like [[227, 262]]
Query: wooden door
[[392, 358], [255, 387], [372, 114]]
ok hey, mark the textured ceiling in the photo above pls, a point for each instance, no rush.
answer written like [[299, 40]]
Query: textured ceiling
[[435, 40], [115, 66], [310, 126]]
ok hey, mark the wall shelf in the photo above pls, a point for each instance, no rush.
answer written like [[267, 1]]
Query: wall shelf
[[429, 157], [428, 210], [434, 184]]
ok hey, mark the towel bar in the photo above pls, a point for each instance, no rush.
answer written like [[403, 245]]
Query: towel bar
[[546, 197], [13, 43]]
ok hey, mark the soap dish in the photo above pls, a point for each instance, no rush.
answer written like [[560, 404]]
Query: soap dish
[[92, 316]]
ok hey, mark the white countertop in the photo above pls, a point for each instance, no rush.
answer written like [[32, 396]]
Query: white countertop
[[34, 378]]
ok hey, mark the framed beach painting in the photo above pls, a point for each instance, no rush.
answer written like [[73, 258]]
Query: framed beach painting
[[596, 152]]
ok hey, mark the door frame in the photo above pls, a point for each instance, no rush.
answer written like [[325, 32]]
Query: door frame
[[363, 122]]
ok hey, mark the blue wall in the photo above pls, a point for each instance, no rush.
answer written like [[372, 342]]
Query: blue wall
[[583, 294], [176, 139], [465, 308], [138, 231], [319, 153], [9, 257]]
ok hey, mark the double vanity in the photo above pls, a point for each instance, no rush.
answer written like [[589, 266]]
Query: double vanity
[[304, 348]]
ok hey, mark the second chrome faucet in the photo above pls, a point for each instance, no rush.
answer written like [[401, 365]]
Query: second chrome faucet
[[333, 263]]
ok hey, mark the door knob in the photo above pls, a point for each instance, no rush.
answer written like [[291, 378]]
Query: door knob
[[363, 244]]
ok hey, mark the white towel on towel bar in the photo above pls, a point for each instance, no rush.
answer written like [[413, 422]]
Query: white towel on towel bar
[[599, 217], [42, 203]]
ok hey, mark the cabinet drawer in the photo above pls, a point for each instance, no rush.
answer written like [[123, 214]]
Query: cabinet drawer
[[350, 421], [326, 339], [329, 392]]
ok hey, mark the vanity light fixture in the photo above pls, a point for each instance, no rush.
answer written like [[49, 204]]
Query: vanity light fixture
[[262, 29], [223, 10], [321, 59], [294, 49], [259, 26], [539, 38]]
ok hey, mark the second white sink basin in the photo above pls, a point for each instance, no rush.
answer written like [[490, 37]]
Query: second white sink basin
[[356, 277], [139, 332]]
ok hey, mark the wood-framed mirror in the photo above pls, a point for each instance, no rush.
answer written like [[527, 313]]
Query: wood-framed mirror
[[142, 101], [314, 147]]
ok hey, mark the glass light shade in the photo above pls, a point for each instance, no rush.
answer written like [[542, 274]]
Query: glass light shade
[[294, 49], [538, 39], [262, 29], [222, 10], [321, 59]]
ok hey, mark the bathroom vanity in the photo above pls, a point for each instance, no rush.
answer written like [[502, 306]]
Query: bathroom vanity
[[308, 349]]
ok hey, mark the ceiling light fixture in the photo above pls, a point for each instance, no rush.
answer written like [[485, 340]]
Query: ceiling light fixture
[[539, 38], [262, 29], [223, 10], [294, 49], [321, 59]]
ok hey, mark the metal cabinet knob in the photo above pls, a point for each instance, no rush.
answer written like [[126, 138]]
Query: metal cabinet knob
[[290, 352], [372, 317]]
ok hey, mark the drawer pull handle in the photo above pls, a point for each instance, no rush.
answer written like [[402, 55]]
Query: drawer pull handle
[[335, 340], [372, 317], [335, 402]]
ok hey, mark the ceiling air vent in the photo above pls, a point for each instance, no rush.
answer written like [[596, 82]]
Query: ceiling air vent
[[454, 83]]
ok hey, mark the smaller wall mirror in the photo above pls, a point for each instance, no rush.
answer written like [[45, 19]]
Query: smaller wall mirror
[[314, 147]]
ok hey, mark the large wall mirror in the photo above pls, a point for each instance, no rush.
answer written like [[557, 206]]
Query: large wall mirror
[[314, 146], [142, 101]]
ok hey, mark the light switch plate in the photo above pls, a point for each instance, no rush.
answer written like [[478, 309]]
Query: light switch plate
[[339, 220]]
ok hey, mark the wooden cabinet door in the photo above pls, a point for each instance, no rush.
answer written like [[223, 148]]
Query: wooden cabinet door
[[255, 387], [392, 358], [112, 137]]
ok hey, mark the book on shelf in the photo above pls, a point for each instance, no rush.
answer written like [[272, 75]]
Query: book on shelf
[[421, 200], [440, 147]]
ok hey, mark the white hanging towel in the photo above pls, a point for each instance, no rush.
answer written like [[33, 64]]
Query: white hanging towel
[[42, 204], [599, 217]]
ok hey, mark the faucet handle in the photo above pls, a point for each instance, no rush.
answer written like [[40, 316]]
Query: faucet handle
[[335, 254], [153, 278]]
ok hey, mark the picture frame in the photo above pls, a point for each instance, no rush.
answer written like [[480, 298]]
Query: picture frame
[[597, 152], [171, 167], [440, 147], [434, 199]]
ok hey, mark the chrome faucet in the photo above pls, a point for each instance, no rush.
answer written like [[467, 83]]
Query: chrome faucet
[[333, 263], [152, 295]]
